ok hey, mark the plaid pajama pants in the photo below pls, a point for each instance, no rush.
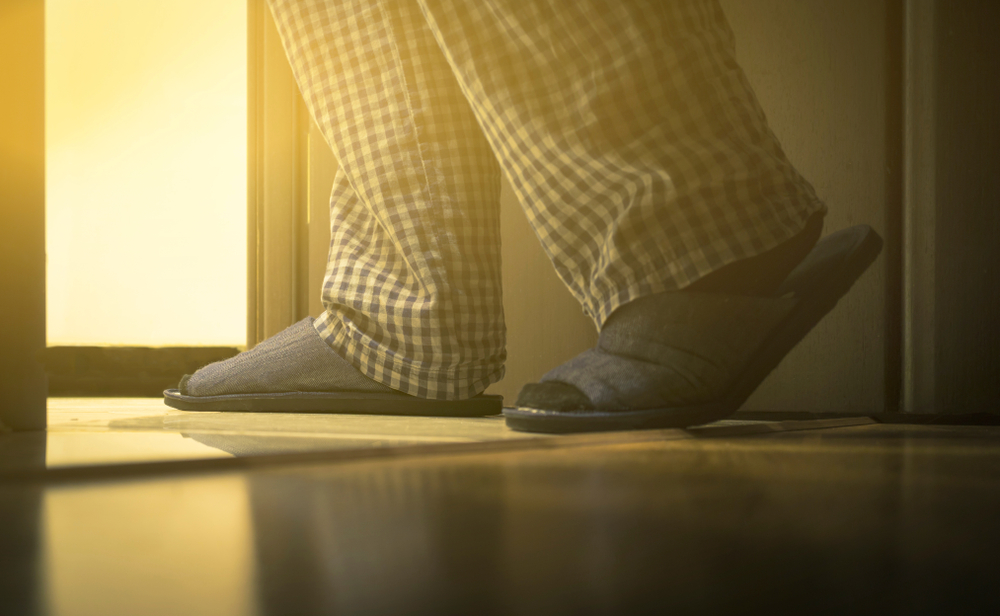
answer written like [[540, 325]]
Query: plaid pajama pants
[[628, 132]]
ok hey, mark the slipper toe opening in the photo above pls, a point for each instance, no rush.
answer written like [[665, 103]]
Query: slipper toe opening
[[553, 396]]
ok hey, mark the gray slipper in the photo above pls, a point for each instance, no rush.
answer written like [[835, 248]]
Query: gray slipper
[[696, 357], [295, 371]]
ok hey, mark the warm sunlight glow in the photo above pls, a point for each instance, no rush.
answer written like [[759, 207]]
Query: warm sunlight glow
[[190, 546], [146, 172]]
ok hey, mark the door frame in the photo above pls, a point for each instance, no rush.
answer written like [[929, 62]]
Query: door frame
[[22, 215], [277, 184]]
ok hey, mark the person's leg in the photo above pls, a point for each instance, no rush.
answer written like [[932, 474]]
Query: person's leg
[[630, 135], [646, 166], [413, 286]]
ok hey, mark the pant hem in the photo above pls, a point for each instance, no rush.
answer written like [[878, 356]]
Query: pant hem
[[390, 369]]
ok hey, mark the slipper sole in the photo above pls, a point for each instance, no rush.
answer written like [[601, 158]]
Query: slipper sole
[[337, 402], [861, 246]]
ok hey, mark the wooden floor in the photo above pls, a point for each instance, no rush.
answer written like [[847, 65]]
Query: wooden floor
[[736, 518]]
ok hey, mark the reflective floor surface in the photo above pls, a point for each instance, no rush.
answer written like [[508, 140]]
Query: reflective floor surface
[[89, 431], [880, 519], [83, 432]]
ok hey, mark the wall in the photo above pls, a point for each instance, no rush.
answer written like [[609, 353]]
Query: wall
[[821, 69]]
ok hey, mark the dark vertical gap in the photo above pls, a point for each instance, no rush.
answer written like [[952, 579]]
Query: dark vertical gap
[[967, 202], [22, 542], [892, 251], [255, 65], [300, 209]]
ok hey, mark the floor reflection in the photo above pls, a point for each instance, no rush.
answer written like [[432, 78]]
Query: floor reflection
[[385, 540], [153, 548], [102, 431], [85, 432], [812, 526], [21, 572], [872, 519], [89, 448]]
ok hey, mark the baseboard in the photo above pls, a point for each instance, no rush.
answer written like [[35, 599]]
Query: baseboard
[[124, 371]]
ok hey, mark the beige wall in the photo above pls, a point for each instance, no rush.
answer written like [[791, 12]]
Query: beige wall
[[819, 70]]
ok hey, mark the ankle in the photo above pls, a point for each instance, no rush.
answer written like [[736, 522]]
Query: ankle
[[762, 274]]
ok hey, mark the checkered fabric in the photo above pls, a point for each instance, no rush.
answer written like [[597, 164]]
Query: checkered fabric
[[627, 130]]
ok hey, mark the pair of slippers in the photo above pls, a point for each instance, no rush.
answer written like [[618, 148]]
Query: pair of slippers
[[623, 382]]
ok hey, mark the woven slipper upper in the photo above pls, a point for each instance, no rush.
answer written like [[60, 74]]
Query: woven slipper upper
[[295, 359], [670, 350]]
